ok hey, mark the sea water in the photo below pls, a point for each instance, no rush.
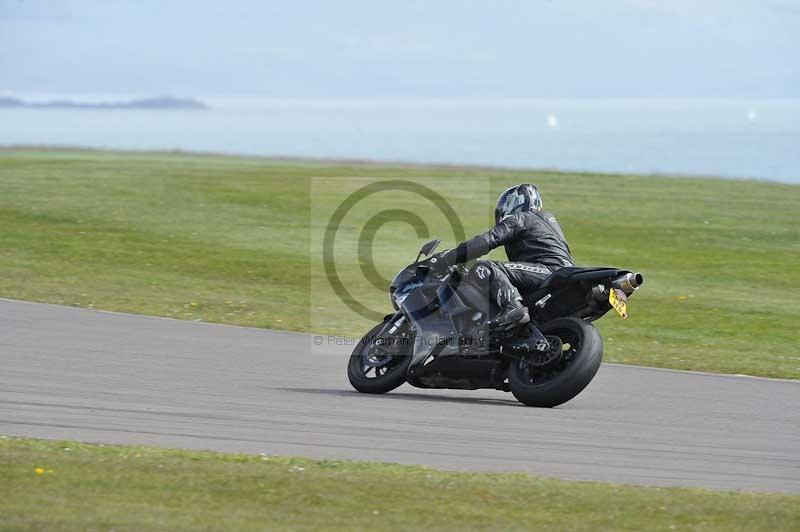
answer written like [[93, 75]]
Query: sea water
[[727, 138]]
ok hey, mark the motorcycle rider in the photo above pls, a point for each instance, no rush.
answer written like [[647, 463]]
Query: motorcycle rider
[[534, 243]]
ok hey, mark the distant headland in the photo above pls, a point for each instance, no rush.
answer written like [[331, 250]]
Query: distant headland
[[165, 103]]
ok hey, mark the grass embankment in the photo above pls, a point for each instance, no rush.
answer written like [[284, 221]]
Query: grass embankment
[[227, 239], [74, 486]]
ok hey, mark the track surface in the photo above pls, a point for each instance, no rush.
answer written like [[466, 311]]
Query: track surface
[[103, 377]]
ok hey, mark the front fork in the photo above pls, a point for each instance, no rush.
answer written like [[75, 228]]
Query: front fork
[[393, 322], [384, 339]]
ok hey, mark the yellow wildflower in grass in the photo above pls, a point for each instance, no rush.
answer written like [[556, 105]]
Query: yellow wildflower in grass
[[39, 471]]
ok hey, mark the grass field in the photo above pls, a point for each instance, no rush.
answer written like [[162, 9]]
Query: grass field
[[55, 486], [232, 240]]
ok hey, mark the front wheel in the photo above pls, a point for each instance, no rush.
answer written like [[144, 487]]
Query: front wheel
[[379, 369], [555, 384]]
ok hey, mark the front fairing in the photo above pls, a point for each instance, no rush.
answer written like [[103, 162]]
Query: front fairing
[[435, 332], [407, 280]]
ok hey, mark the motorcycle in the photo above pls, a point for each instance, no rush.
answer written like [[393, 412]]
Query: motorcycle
[[437, 336]]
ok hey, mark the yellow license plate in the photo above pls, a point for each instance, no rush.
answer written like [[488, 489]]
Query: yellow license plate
[[619, 301]]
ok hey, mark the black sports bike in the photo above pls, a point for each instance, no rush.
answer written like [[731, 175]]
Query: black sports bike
[[437, 337]]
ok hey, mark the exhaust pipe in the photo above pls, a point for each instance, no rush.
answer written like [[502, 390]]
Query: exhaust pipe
[[629, 282]]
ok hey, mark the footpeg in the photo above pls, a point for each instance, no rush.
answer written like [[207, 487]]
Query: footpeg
[[542, 302]]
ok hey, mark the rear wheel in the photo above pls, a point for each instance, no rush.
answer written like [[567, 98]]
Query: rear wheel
[[375, 368], [568, 374]]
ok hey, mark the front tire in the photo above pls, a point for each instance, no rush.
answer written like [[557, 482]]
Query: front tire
[[370, 374], [557, 384]]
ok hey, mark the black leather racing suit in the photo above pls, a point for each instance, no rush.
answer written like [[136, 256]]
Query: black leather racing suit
[[535, 246]]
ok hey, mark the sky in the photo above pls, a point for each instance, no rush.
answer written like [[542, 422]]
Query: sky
[[407, 49]]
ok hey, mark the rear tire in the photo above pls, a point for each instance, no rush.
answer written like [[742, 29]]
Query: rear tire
[[552, 386], [394, 370]]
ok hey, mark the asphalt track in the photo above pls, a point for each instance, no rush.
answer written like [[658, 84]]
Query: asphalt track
[[103, 377]]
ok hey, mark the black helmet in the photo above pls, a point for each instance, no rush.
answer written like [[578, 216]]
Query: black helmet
[[519, 198]]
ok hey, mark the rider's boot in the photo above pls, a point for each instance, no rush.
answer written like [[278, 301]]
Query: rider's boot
[[512, 312]]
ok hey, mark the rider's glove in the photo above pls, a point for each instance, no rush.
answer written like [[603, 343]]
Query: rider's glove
[[441, 262]]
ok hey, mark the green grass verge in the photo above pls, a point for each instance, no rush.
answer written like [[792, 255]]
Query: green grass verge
[[47, 485], [227, 239]]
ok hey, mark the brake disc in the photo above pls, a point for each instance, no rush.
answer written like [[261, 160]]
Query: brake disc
[[376, 358]]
